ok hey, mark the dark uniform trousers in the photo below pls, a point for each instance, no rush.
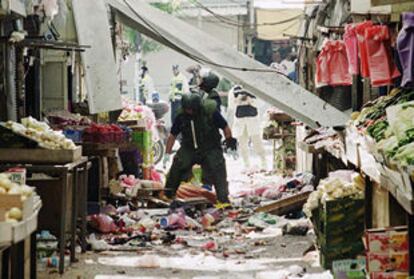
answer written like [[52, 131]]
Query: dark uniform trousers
[[212, 163]]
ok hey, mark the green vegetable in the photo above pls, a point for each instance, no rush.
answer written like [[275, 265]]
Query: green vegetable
[[377, 130]]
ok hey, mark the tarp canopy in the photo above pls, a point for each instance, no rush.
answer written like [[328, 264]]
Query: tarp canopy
[[254, 76], [273, 23]]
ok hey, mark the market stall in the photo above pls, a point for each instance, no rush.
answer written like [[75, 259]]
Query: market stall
[[367, 55], [377, 143], [19, 211], [55, 166]]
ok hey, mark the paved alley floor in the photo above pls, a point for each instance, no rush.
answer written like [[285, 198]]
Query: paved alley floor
[[257, 256]]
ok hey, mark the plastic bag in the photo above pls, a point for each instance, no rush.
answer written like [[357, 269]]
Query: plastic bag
[[332, 67], [103, 223], [322, 72], [381, 65], [405, 47], [363, 55], [338, 64], [351, 46]]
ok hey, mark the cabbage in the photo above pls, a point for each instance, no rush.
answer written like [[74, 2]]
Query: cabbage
[[400, 118], [405, 154]]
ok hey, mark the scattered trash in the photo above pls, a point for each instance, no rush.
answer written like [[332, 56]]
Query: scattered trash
[[269, 232], [98, 245], [196, 236], [262, 220], [297, 227], [103, 223], [51, 262], [211, 246]]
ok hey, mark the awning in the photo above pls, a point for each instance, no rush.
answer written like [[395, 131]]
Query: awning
[[272, 24], [92, 27], [269, 86]]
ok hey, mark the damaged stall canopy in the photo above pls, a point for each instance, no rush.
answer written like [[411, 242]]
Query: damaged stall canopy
[[92, 27], [205, 49]]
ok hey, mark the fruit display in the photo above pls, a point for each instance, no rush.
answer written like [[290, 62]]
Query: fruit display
[[41, 133], [105, 133], [8, 187]]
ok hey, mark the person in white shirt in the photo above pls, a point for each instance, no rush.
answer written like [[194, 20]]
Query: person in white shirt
[[244, 116]]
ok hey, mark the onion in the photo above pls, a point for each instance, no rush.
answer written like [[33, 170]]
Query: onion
[[15, 190], [6, 183], [15, 213]]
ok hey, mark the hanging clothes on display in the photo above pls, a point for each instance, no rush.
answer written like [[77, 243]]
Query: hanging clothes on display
[[351, 46], [382, 68], [363, 55], [405, 47]]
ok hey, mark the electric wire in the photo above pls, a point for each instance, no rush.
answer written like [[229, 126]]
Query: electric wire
[[235, 23], [162, 38]]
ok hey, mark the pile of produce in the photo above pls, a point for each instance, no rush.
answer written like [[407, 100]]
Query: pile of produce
[[41, 133], [59, 120], [137, 112], [104, 133], [389, 121], [340, 184], [129, 185], [7, 187], [143, 115]]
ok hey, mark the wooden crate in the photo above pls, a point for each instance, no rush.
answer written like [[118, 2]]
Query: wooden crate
[[9, 201], [309, 148], [9, 139], [280, 117], [133, 123], [286, 205], [40, 155], [16, 232]]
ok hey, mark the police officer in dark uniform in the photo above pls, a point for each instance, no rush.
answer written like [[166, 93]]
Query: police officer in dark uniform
[[198, 124]]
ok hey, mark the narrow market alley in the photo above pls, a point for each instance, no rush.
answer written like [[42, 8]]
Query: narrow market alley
[[235, 247], [207, 139]]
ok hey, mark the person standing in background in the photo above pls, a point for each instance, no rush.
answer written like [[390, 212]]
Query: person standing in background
[[244, 118], [195, 76], [178, 87], [146, 85]]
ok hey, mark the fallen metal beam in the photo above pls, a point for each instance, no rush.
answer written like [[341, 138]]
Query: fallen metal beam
[[254, 76]]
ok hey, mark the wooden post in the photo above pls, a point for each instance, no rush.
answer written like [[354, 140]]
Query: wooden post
[[411, 243], [357, 92], [368, 203], [366, 97]]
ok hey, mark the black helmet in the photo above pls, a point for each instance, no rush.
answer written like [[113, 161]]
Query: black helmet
[[209, 82], [191, 101]]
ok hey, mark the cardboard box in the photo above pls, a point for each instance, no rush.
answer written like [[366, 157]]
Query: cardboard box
[[387, 240], [389, 275], [9, 201], [16, 232], [394, 261]]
